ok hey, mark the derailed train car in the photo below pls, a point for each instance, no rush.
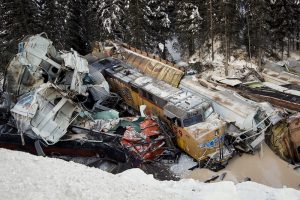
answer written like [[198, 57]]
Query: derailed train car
[[55, 104], [198, 130]]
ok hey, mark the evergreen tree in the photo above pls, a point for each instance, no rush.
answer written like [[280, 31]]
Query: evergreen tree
[[76, 30], [12, 29], [258, 26], [188, 24], [107, 19]]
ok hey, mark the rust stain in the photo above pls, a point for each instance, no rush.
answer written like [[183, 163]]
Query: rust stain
[[274, 75], [283, 78], [295, 82], [218, 99]]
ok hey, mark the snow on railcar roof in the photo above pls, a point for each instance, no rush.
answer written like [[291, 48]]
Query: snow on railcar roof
[[143, 80], [126, 74], [180, 98], [191, 102], [161, 89]]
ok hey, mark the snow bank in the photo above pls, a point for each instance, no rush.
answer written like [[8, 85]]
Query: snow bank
[[25, 176]]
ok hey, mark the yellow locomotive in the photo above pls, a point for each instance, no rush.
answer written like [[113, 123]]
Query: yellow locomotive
[[198, 130]]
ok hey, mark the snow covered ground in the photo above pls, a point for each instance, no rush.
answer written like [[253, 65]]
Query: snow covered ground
[[25, 176]]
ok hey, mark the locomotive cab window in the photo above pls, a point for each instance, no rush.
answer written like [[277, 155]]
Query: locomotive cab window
[[192, 120]]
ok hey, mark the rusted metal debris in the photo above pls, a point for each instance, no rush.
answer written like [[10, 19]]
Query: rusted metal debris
[[284, 96], [190, 118], [146, 63], [281, 73], [285, 140], [251, 121], [66, 104], [248, 122], [55, 103], [284, 136]]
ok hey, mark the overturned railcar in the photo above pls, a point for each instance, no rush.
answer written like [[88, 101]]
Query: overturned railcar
[[191, 118]]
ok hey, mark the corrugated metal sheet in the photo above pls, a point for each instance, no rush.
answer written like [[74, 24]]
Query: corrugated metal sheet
[[153, 67]]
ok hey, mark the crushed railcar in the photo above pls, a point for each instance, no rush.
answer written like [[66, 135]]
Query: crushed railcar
[[198, 130], [55, 104], [247, 122]]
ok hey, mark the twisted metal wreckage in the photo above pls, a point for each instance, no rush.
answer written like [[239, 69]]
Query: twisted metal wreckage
[[54, 103], [60, 104], [248, 122]]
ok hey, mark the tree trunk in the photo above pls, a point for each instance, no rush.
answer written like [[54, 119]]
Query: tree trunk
[[260, 41], [288, 47], [211, 31], [249, 40], [191, 46], [282, 49], [229, 47], [293, 42], [226, 43], [297, 42]]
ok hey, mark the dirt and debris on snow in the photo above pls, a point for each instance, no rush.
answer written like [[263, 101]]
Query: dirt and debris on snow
[[265, 168], [24, 176]]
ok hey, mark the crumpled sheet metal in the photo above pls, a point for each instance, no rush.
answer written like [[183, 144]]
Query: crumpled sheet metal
[[141, 136], [19, 80], [53, 116], [46, 112], [24, 72], [24, 111], [146, 144], [153, 67], [229, 106], [100, 88], [34, 52], [285, 138], [80, 68]]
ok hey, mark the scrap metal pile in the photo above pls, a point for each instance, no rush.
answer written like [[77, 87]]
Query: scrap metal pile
[[254, 112], [120, 108], [55, 103]]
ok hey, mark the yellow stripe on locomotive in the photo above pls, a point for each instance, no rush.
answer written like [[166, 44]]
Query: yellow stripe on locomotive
[[198, 130]]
